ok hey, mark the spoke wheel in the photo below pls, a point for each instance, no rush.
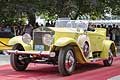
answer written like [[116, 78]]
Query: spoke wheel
[[69, 60], [66, 61], [86, 49], [109, 61], [19, 62]]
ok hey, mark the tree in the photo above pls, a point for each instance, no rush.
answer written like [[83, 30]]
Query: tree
[[12, 10], [74, 8], [114, 5]]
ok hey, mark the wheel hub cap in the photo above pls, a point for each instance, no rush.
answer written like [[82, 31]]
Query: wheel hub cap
[[69, 60]]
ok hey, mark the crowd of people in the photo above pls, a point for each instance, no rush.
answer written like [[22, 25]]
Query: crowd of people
[[20, 29], [50, 24], [114, 33], [16, 29]]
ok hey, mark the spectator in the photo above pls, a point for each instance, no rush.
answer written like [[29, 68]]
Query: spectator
[[91, 27], [52, 24], [36, 25], [117, 35], [7, 28], [28, 29], [113, 33], [110, 32], [16, 30], [41, 25], [0, 28], [98, 26], [47, 23]]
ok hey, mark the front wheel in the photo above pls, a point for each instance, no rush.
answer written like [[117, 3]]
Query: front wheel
[[66, 61], [109, 61], [19, 62]]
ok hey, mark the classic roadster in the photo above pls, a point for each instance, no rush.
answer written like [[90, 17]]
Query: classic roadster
[[65, 45]]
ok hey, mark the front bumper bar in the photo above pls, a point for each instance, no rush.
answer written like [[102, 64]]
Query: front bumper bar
[[39, 53]]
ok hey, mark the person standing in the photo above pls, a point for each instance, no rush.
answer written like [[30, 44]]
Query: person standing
[[29, 29], [7, 28], [47, 23], [52, 24], [117, 36]]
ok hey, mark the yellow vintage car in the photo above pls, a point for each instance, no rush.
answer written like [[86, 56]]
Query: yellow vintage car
[[65, 45], [4, 38]]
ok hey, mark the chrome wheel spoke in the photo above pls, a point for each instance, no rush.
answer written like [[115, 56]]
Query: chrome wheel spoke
[[110, 56], [69, 60], [86, 49]]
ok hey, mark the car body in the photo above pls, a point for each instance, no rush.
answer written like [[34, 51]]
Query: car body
[[4, 38], [65, 45]]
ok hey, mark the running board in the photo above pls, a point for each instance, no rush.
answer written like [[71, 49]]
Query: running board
[[95, 59]]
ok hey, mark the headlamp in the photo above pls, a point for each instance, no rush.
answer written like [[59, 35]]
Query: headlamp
[[47, 39], [26, 38]]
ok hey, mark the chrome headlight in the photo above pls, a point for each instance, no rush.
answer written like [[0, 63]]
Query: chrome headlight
[[26, 38], [47, 39]]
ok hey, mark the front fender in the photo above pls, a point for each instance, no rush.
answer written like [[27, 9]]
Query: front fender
[[107, 44], [72, 42], [64, 41], [18, 39]]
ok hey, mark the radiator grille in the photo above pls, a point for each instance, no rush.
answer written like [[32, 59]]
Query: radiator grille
[[37, 41]]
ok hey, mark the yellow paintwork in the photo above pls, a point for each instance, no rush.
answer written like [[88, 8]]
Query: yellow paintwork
[[96, 38], [65, 36], [5, 41], [69, 36], [78, 52], [18, 39], [64, 41], [106, 46], [99, 43]]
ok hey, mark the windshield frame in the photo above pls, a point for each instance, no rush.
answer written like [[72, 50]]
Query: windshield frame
[[72, 24]]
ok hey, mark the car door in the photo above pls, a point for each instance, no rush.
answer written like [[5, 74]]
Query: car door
[[94, 40]]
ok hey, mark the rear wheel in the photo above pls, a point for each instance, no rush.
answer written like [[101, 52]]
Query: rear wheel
[[19, 62], [86, 49], [66, 61], [109, 61]]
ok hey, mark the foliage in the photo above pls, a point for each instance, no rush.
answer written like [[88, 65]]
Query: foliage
[[114, 5], [12, 10]]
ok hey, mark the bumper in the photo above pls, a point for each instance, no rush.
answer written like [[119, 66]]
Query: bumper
[[39, 53]]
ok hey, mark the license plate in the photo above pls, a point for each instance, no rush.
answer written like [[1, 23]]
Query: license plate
[[39, 47]]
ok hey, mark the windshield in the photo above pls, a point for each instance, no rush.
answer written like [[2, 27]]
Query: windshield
[[72, 24]]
